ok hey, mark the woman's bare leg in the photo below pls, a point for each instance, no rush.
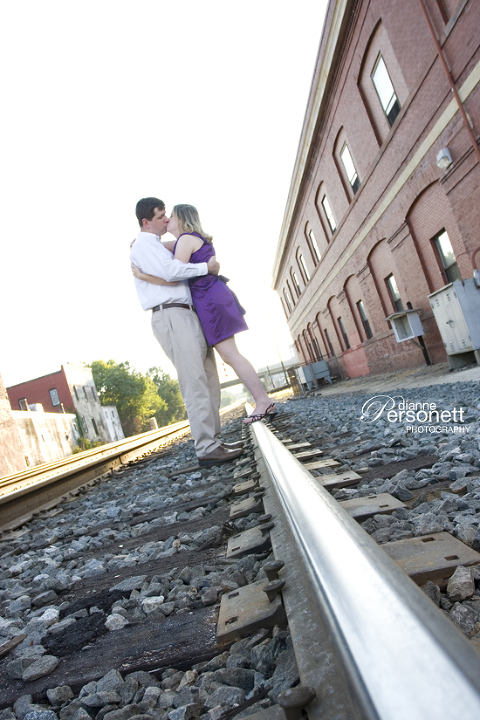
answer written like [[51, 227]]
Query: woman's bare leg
[[228, 351]]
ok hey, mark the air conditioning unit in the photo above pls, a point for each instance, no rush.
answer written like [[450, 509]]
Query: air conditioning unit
[[456, 308]]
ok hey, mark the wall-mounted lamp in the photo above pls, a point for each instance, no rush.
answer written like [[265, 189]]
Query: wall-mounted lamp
[[444, 159]]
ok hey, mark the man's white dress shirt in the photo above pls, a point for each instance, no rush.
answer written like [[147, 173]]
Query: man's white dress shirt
[[152, 257]]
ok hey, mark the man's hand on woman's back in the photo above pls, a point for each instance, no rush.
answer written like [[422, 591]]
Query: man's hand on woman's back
[[213, 266]]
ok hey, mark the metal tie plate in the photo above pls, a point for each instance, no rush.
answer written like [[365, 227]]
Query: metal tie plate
[[247, 609], [245, 507], [341, 480], [431, 557], [245, 487], [249, 541], [365, 507], [243, 472]]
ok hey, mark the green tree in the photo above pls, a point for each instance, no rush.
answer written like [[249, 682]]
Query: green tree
[[169, 392], [134, 394], [228, 398]]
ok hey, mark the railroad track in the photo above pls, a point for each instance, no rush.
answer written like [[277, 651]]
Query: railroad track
[[368, 643], [25, 494]]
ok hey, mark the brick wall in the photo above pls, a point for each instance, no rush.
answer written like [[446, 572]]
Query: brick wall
[[38, 391], [404, 199], [12, 458]]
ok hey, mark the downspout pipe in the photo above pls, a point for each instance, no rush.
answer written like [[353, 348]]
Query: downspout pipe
[[450, 80]]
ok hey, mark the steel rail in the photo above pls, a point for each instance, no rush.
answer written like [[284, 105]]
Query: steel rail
[[43, 486], [24, 494], [86, 455], [366, 638]]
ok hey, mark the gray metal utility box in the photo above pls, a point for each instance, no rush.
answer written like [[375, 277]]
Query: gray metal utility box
[[456, 308]]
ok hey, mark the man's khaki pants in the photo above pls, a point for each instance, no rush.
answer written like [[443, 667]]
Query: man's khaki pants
[[180, 334]]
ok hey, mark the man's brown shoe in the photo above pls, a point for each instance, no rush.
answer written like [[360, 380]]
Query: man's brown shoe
[[219, 455], [233, 446]]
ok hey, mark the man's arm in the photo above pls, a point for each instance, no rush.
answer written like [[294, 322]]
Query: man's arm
[[136, 272], [153, 259]]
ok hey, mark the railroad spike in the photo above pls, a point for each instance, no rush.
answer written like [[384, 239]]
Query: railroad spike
[[272, 589], [267, 526], [272, 569], [265, 518], [293, 700]]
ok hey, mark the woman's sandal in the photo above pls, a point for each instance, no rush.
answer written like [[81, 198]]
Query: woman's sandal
[[269, 413]]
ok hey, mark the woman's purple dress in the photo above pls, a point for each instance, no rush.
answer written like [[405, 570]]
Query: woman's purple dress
[[217, 306]]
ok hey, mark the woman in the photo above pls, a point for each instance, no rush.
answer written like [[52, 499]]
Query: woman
[[217, 307]]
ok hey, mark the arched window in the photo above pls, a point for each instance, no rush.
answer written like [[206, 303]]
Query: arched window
[[329, 214], [312, 244], [385, 90], [352, 175], [344, 161], [288, 299], [302, 266], [325, 212], [289, 290], [315, 348], [300, 346], [329, 342], [363, 317], [381, 83], [446, 256], [308, 345], [341, 325], [394, 292], [295, 282]]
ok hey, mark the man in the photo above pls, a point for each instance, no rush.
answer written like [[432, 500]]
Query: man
[[177, 328]]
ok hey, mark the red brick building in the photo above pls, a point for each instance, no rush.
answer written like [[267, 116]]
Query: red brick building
[[70, 389], [384, 205]]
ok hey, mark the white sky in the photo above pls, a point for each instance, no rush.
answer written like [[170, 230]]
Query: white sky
[[106, 102]]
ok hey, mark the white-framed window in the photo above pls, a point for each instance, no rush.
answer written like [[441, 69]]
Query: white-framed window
[[344, 333], [352, 174], [385, 90], [394, 293], [447, 257], [55, 400], [329, 214], [303, 265], [364, 318], [288, 299], [290, 294], [295, 282], [315, 247]]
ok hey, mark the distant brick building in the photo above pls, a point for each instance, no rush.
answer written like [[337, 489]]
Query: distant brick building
[[384, 205], [72, 390]]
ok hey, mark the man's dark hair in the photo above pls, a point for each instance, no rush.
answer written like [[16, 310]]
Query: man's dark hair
[[146, 208]]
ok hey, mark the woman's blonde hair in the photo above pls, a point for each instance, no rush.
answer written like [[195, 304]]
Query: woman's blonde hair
[[190, 220]]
